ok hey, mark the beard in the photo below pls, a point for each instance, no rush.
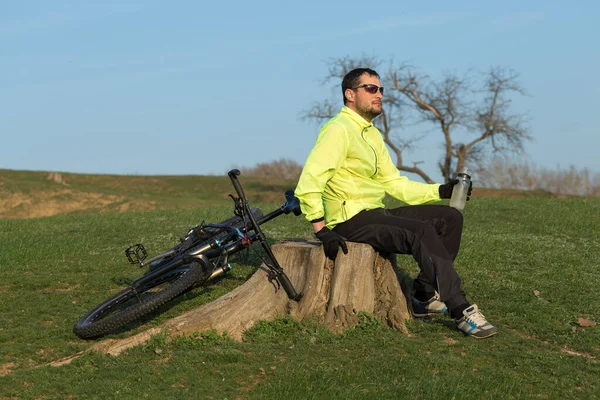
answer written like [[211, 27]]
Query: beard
[[368, 112]]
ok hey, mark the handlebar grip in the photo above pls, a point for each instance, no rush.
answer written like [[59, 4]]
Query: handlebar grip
[[288, 287], [233, 174]]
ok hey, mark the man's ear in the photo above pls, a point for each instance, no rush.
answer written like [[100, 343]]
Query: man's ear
[[349, 93]]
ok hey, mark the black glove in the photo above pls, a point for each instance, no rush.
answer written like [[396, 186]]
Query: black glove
[[331, 242], [445, 190]]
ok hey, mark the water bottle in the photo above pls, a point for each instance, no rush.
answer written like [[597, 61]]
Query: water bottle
[[460, 190]]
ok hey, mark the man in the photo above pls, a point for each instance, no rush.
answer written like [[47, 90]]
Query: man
[[341, 190]]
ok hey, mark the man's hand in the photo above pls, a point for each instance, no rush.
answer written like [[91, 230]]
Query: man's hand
[[445, 190], [331, 242]]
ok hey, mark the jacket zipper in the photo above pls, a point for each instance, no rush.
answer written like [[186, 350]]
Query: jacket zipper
[[372, 149]]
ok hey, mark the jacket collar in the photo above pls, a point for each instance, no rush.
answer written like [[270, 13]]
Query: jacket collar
[[355, 117]]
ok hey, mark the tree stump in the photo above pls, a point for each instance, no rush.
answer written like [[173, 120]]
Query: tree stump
[[335, 293]]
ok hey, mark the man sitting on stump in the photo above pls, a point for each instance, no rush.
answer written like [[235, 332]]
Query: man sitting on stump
[[341, 191]]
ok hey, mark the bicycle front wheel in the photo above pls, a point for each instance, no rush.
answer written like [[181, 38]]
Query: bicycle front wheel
[[134, 302]]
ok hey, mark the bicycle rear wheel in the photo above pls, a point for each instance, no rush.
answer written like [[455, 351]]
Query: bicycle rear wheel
[[149, 293], [133, 303]]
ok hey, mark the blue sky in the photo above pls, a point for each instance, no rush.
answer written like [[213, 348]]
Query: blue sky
[[190, 87]]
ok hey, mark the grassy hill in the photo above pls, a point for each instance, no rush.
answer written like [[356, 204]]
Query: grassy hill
[[29, 194], [530, 263]]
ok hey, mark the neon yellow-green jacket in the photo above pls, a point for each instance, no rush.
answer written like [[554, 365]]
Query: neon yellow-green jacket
[[350, 170]]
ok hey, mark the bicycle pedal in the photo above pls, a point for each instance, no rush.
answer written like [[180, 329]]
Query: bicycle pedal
[[136, 254]]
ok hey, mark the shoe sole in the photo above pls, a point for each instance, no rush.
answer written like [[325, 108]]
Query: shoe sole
[[428, 314], [482, 337]]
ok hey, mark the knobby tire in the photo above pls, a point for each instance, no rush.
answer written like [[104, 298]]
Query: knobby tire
[[92, 325]]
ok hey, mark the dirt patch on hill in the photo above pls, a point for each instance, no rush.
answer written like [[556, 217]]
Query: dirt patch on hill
[[48, 203], [6, 368], [66, 200]]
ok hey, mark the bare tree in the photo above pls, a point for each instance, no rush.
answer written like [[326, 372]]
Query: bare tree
[[455, 105]]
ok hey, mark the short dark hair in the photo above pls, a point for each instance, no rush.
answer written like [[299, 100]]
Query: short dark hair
[[352, 79]]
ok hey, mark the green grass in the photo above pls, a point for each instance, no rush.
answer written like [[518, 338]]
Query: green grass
[[530, 264]]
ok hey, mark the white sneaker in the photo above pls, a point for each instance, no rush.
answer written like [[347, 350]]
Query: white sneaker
[[430, 307], [473, 323]]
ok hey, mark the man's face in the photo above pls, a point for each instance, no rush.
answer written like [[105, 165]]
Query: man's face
[[366, 104]]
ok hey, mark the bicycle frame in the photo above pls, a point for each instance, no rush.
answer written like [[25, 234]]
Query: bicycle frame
[[202, 254], [213, 248]]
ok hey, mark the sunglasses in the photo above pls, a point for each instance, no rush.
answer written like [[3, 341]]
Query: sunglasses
[[370, 88]]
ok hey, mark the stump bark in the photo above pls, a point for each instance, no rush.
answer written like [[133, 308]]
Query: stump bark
[[334, 292]]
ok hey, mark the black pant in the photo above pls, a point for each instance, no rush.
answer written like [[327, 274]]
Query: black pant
[[431, 233]]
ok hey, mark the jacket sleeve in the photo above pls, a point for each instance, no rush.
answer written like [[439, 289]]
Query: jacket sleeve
[[400, 187], [323, 161]]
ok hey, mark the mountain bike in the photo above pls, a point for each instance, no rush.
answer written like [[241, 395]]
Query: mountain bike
[[201, 256]]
